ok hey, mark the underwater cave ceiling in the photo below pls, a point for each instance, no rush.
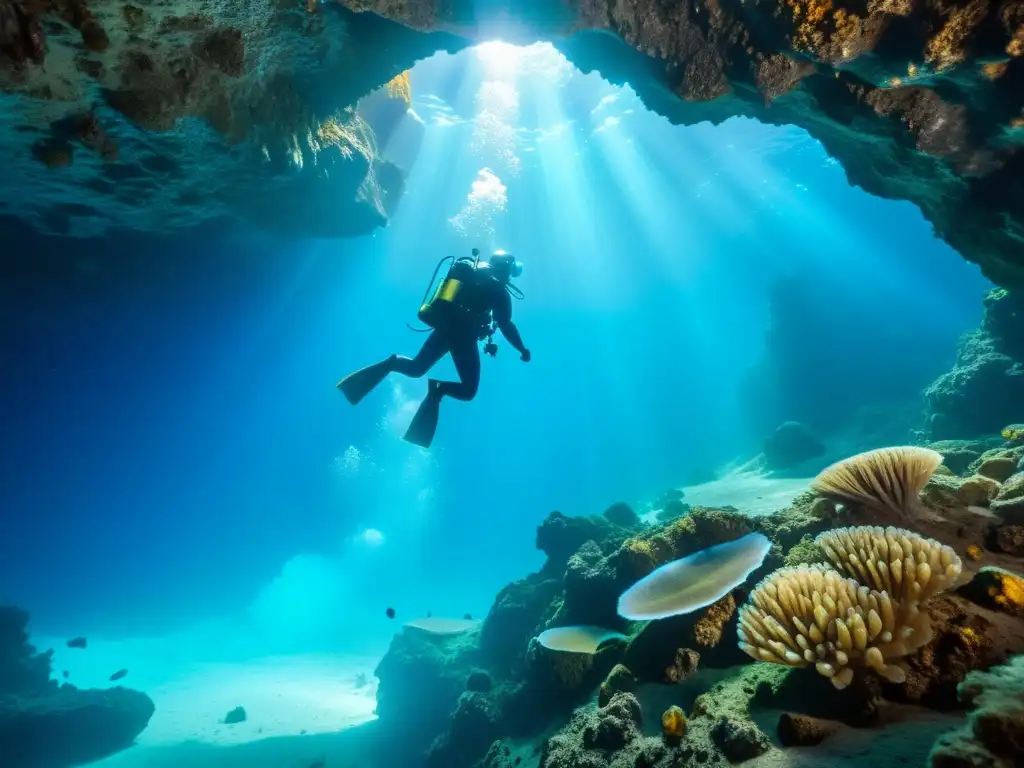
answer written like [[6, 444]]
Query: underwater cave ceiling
[[918, 100]]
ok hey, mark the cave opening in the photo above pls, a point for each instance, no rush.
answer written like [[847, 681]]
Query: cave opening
[[743, 244]]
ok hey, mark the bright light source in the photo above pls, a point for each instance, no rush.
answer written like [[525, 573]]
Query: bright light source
[[499, 57]]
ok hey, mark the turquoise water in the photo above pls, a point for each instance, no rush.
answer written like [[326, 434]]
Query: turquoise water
[[187, 488]]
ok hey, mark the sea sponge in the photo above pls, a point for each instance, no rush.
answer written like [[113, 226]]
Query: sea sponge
[[901, 563], [885, 478], [708, 629], [673, 725], [810, 614]]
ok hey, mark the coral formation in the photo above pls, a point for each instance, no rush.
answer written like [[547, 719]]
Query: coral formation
[[673, 725], [892, 628], [997, 588], [810, 614], [885, 478], [43, 723]]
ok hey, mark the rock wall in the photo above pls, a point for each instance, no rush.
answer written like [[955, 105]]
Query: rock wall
[[919, 101], [160, 117], [984, 391]]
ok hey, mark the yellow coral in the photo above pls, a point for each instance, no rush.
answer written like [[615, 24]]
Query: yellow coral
[[1016, 46], [1017, 122], [1008, 591], [399, 88], [812, 614], [974, 552], [895, 82], [1014, 434], [911, 70], [673, 724]]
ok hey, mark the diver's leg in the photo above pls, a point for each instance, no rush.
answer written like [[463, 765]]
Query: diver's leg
[[433, 349], [466, 355]]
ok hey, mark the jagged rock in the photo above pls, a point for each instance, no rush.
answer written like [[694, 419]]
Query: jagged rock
[[804, 731], [475, 724], [994, 734], [738, 739], [518, 614], [271, 87], [594, 735], [46, 724], [560, 536], [791, 444], [499, 756], [421, 679], [934, 120], [984, 389]]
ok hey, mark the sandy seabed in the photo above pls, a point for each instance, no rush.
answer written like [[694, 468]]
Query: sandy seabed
[[301, 710]]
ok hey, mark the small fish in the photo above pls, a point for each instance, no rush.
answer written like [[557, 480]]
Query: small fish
[[65, 674], [118, 675], [390, 613], [467, 616], [361, 680], [77, 642]]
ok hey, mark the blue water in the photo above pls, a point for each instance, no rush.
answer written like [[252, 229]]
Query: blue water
[[175, 451]]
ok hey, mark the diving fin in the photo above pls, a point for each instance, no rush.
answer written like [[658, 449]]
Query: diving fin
[[359, 384], [424, 423]]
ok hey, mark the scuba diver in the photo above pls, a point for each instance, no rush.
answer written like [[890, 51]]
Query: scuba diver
[[471, 303]]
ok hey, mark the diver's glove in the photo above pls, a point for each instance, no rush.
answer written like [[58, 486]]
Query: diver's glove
[[526, 356]]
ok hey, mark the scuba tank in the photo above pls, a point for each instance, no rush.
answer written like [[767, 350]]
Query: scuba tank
[[445, 305]]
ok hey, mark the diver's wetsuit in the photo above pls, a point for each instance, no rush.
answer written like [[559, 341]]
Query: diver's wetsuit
[[488, 298]]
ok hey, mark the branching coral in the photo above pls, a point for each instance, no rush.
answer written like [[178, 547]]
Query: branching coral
[[812, 614], [885, 478], [903, 564]]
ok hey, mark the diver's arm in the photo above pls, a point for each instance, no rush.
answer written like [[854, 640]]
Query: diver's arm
[[509, 331], [503, 317]]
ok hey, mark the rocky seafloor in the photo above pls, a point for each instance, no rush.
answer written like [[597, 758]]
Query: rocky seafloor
[[680, 692], [46, 724], [159, 116]]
